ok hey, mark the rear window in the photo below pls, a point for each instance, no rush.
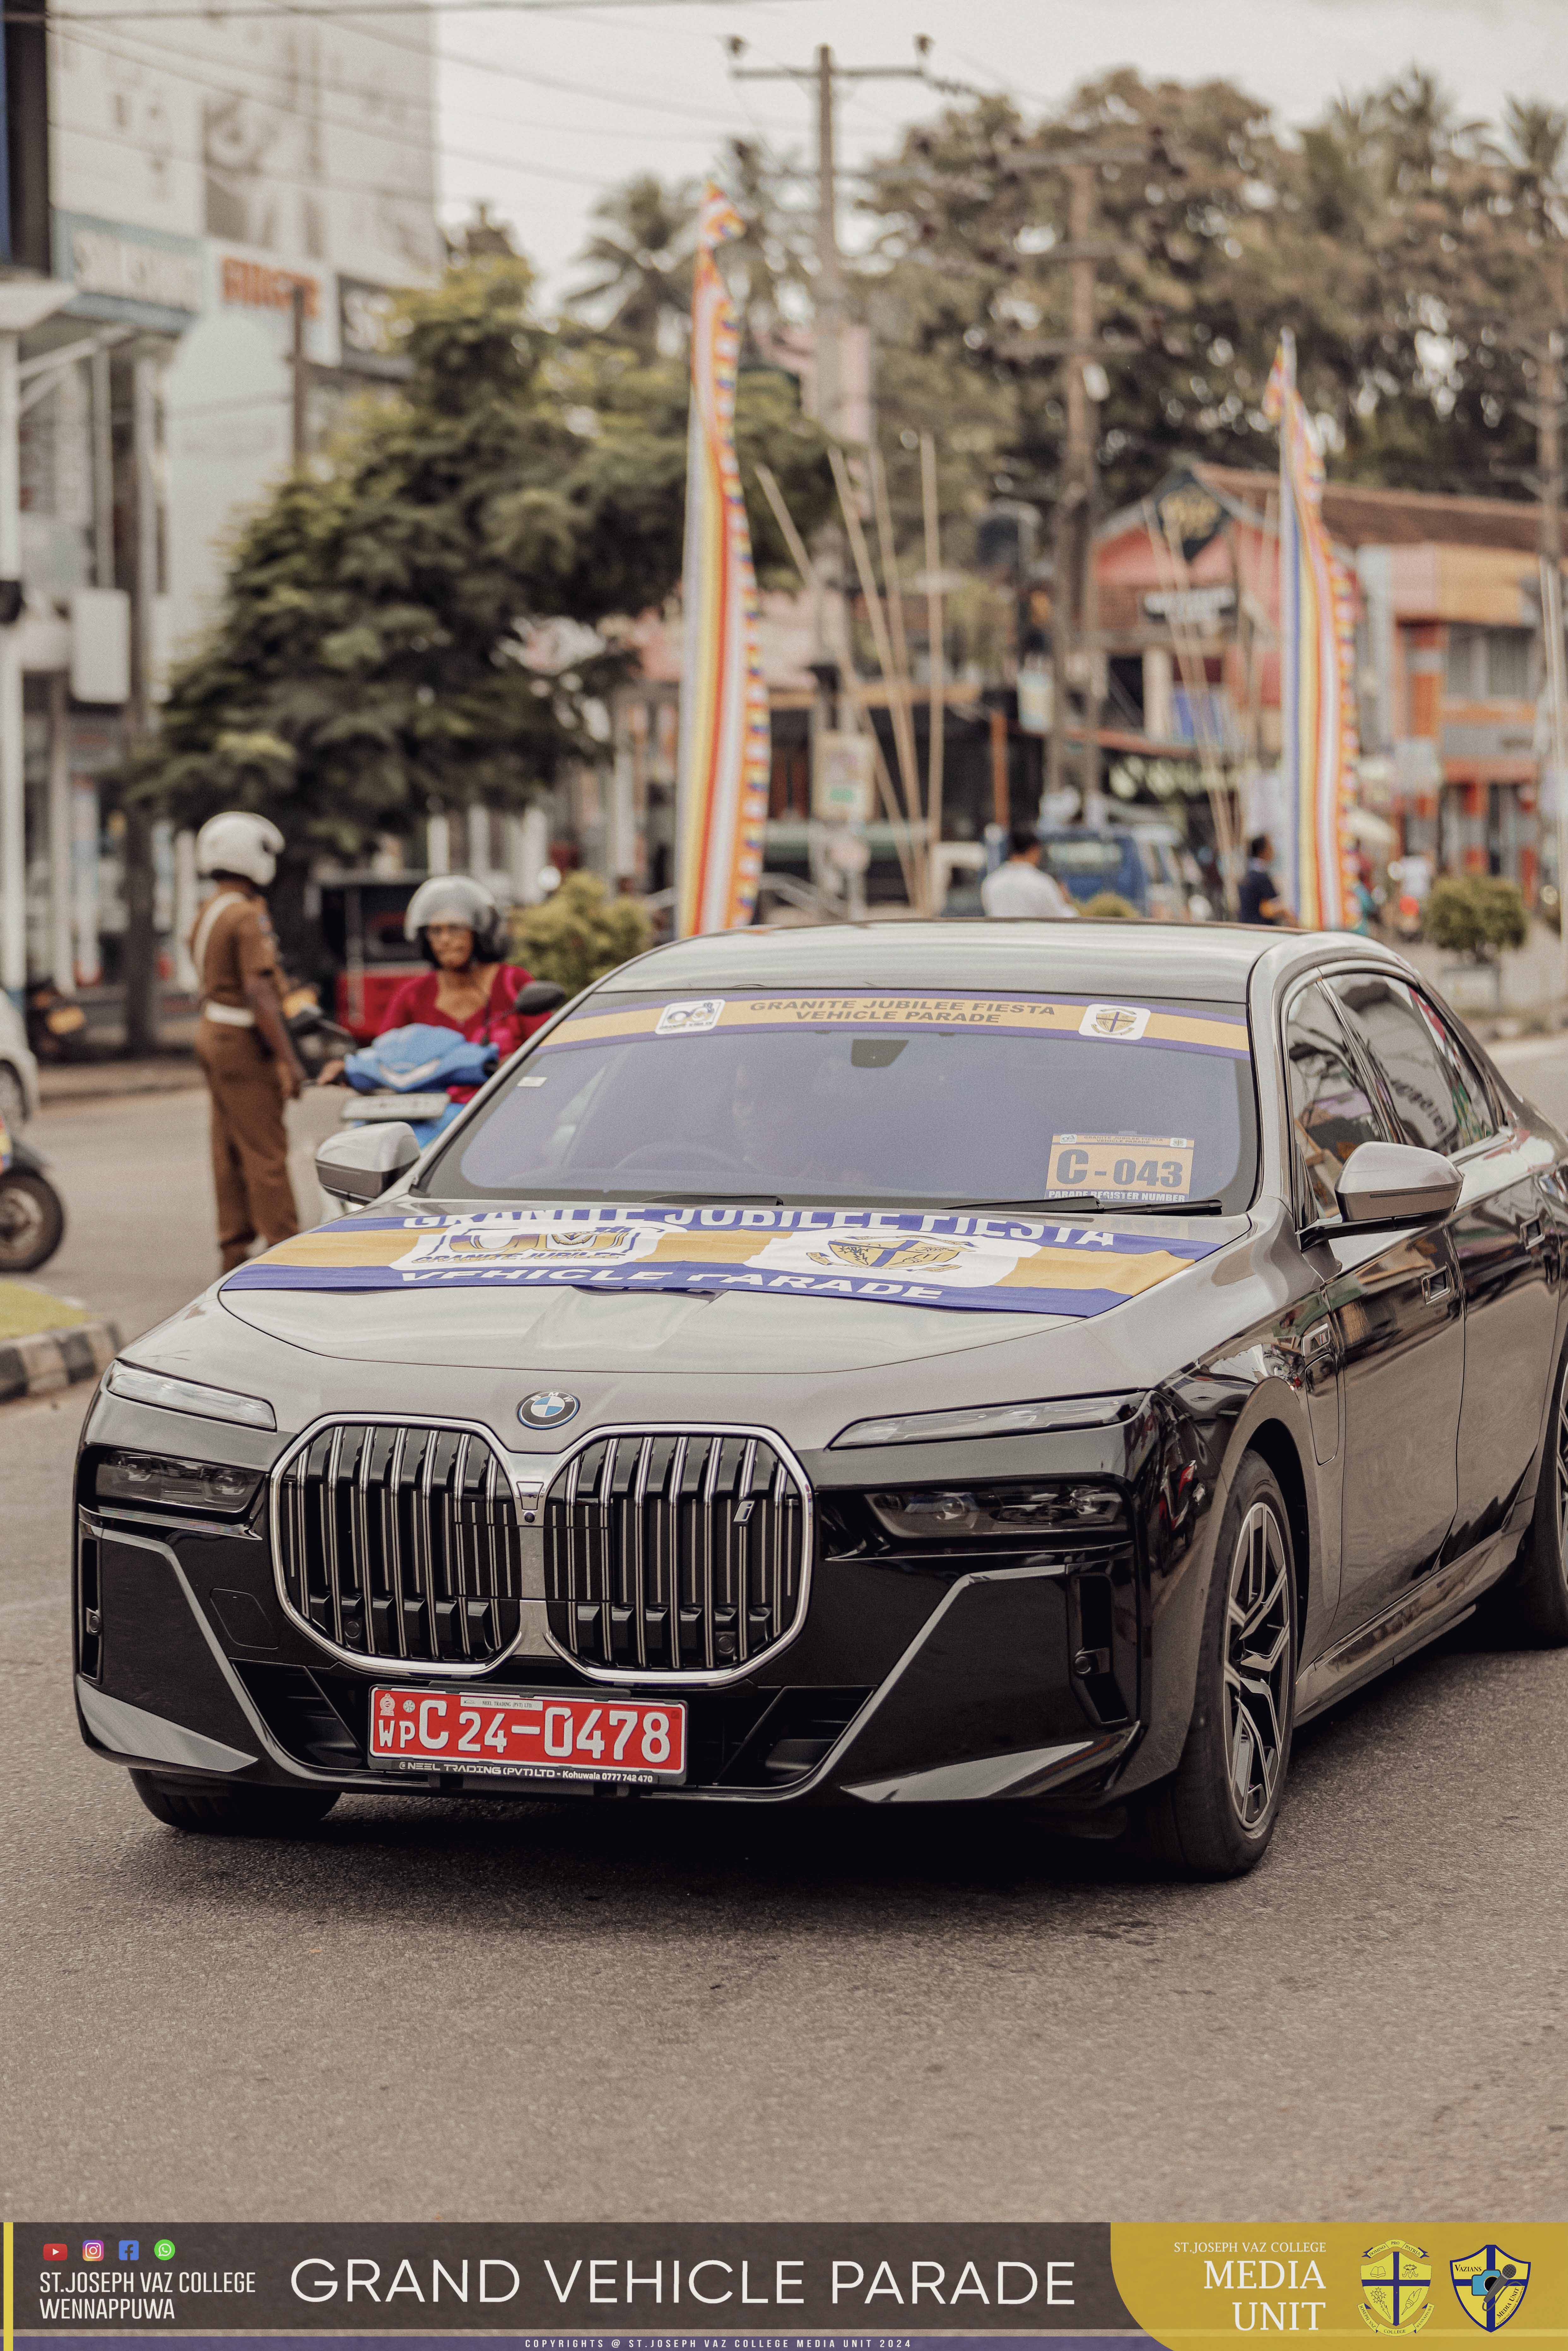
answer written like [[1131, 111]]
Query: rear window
[[872, 1098], [1085, 856]]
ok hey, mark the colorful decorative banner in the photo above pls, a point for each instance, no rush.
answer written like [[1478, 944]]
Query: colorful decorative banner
[[1012, 1265], [724, 756], [1317, 637]]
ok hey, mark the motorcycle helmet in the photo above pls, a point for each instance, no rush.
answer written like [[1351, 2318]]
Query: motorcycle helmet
[[238, 842], [458, 898]]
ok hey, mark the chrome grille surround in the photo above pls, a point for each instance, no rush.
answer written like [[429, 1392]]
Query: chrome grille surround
[[719, 1515], [384, 1528]]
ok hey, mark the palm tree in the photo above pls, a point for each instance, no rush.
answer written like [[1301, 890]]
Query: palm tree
[[642, 252]]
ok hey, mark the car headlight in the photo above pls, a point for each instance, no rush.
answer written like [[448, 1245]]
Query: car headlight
[[154, 1482], [990, 1420], [1000, 1513], [129, 1380]]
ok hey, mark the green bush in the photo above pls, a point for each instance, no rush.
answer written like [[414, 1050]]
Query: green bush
[[580, 933], [1475, 914], [1110, 906]]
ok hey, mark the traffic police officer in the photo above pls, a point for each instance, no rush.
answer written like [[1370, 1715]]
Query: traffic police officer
[[243, 1042]]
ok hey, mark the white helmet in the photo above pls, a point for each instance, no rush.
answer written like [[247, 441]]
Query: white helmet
[[458, 898], [238, 842]]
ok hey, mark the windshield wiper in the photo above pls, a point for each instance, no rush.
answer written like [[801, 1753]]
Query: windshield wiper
[[1040, 1200], [1089, 1200], [711, 1199]]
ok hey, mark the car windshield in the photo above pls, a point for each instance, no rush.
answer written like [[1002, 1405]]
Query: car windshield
[[871, 1098]]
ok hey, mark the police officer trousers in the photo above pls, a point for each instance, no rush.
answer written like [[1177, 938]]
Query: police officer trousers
[[250, 1143]]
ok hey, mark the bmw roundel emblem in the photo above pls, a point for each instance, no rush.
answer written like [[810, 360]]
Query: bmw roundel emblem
[[548, 1410]]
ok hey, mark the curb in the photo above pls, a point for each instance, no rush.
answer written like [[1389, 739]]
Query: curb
[[55, 1359]]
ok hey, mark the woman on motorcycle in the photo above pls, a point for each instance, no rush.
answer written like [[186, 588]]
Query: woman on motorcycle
[[470, 986]]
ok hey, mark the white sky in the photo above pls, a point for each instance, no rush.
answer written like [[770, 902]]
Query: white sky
[[563, 103]]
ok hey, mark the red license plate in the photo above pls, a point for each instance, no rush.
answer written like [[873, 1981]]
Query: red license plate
[[529, 1735]]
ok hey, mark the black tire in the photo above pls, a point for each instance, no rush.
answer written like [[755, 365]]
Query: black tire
[[1533, 1604], [1216, 1814], [32, 1221], [205, 1810]]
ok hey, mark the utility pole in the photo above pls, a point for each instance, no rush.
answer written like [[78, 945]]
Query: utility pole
[[830, 622], [143, 991], [299, 383], [1074, 618]]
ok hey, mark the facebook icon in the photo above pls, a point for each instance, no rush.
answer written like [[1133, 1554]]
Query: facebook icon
[[130, 2249]]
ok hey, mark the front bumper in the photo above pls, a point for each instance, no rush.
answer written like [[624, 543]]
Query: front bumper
[[923, 1673]]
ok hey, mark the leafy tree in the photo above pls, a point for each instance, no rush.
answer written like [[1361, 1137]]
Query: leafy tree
[[1475, 914], [580, 933], [642, 254], [370, 665]]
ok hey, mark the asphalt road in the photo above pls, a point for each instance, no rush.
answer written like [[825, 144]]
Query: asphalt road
[[483, 2010]]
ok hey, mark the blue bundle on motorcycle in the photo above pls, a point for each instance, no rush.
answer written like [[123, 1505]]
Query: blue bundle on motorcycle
[[420, 1058]]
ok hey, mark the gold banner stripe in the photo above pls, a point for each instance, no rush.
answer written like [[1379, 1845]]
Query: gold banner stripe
[[998, 1016]]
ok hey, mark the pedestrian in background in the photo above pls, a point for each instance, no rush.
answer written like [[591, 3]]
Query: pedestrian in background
[[1259, 899], [1021, 885], [243, 1042]]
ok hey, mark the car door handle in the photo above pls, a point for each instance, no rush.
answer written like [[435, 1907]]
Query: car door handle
[[1317, 1339], [1435, 1286], [1535, 1233]]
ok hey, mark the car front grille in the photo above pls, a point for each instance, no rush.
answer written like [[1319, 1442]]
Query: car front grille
[[400, 1542], [678, 1552]]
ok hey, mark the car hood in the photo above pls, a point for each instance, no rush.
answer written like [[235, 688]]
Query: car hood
[[556, 1331]]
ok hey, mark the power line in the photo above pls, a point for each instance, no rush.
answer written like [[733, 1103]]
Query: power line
[[339, 86]]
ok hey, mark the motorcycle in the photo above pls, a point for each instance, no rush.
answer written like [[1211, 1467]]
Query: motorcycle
[[422, 1074], [32, 1214]]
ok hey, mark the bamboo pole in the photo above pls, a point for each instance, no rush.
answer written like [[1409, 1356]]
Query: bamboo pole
[[877, 617], [937, 657], [811, 580], [899, 684], [1194, 678]]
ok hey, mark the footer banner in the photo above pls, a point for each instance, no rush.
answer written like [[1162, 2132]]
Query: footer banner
[[808, 2286]]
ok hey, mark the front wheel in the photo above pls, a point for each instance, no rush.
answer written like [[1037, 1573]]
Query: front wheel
[[1214, 1817], [1534, 1600], [32, 1221], [202, 1809]]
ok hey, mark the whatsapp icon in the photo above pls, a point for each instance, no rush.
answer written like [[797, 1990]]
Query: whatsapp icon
[[164, 2250]]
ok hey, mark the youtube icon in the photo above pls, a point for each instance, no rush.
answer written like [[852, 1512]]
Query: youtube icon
[[56, 2252]]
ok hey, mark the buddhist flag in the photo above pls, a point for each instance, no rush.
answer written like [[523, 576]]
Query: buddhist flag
[[1317, 646], [722, 804]]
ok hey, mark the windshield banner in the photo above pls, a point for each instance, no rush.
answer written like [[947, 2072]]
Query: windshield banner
[[1182, 1026], [1012, 1265]]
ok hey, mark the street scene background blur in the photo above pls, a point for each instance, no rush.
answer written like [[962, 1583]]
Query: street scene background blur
[[328, 506]]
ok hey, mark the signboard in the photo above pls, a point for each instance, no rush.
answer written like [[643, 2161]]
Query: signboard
[[365, 338], [1186, 513], [147, 278], [1189, 608], [842, 778]]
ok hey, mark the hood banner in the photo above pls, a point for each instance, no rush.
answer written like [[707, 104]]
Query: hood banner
[[1010, 1265]]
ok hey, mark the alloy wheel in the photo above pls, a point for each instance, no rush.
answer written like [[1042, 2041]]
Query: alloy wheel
[[1258, 1662]]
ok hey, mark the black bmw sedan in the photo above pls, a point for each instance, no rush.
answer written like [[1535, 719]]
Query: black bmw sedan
[[887, 1364]]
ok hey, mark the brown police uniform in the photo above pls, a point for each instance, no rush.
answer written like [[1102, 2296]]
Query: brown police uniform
[[234, 941]]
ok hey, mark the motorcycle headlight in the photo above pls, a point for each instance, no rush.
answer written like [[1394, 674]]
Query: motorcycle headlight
[[129, 1380], [154, 1482]]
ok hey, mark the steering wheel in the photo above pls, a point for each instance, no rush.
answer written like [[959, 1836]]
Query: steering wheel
[[658, 1154]]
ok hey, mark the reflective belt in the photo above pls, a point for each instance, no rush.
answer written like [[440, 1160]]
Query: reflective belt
[[229, 1015]]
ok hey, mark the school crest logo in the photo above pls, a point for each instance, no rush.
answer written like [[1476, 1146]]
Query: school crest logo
[[883, 1257], [1123, 1022], [1395, 2287], [1491, 2284], [609, 1243]]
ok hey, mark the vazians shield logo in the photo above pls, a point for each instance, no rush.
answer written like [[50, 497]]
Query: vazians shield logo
[[1124, 1023], [1395, 2287], [548, 1410], [883, 1257], [1490, 2286]]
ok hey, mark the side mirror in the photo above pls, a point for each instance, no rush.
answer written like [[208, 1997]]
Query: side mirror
[[1396, 1184], [537, 998], [363, 1162]]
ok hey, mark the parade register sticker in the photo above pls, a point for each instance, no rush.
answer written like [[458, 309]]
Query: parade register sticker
[[1131, 1166]]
